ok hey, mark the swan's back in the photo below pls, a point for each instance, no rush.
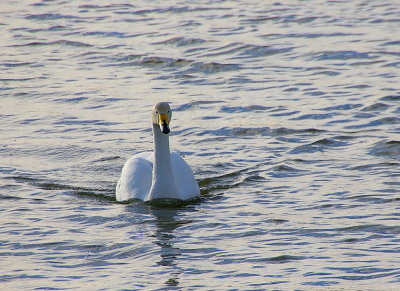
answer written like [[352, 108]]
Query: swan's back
[[184, 178], [136, 177]]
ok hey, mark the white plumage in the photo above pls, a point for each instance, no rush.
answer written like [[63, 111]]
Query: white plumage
[[159, 174]]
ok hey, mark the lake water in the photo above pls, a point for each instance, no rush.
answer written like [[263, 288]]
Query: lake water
[[287, 111]]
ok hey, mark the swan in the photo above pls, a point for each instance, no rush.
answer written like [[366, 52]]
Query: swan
[[163, 174]]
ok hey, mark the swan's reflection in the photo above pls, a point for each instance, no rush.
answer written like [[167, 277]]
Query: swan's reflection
[[167, 223]]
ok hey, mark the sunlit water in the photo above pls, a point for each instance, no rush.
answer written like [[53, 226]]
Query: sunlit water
[[288, 114]]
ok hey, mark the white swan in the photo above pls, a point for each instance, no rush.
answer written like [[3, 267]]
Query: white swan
[[162, 174]]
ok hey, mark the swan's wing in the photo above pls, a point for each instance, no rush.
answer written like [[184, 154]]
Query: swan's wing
[[136, 178], [185, 181]]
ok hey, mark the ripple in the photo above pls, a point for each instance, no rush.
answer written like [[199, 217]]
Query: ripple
[[228, 49], [341, 55], [371, 228], [258, 51], [153, 61], [312, 35], [172, 63], [8, 197], [72, 120], [100, 194], [374, 199], [242, 50], [282, 171], [50, 16], [282, 19], [282, 131], [281, 259], [109, 34], [318, 146], [194, 104], [315, 116], [250, 108], [391, 98], [370, 166], [72, 100], [56, 42], [391, 43], [209, 68], [107, 6], [181, 41], [386, 148], [376, 122], [376, 107], [17, 64], [342, 107], [239, 131], [329, 142], [19, 79]]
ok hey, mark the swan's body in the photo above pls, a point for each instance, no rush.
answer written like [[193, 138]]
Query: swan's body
[[162, 174]]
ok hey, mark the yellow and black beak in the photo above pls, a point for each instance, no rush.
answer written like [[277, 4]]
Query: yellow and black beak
[[164, 123]]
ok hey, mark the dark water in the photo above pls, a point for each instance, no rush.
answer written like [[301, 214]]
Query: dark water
[[288, 114]]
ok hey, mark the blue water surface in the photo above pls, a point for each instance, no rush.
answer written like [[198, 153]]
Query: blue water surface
[[288, 113]]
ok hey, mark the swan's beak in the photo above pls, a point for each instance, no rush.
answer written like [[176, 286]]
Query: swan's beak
[[164, 123]]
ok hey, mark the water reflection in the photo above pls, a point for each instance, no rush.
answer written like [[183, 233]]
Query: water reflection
[[166, 224]]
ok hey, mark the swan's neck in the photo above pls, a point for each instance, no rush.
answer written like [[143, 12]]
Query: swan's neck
[[163, 185]]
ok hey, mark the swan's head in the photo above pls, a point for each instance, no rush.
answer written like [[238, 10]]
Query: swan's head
[[161, 116]]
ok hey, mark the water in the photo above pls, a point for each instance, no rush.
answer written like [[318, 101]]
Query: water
[[288, 114]]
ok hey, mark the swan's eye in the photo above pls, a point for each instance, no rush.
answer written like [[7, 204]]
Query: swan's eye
[[156, 112]]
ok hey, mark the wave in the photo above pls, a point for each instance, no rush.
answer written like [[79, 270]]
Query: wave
[[61, 42]]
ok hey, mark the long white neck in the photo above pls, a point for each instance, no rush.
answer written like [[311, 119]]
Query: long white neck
[[163, 184]]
